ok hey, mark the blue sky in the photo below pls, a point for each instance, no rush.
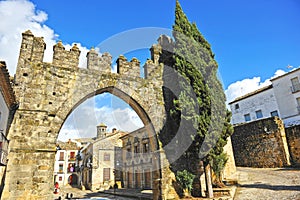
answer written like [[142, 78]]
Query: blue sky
[[249, 38], [252, 40]]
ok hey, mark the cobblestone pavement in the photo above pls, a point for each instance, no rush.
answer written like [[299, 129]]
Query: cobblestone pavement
[[268, 184], [86, 194]]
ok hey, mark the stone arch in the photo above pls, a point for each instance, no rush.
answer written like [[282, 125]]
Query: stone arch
[[47, 93], [62, 113]]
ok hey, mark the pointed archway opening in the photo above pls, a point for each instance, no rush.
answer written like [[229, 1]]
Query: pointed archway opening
[[107, 141], [105, 108]]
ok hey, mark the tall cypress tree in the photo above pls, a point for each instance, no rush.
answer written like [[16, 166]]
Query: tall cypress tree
[[199, 105]]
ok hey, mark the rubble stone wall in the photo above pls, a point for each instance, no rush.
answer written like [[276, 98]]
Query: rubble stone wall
[[293, 139], [261, 143]]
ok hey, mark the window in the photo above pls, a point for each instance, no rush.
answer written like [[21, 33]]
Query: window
[[106, 174], [106, 157], [145, 147], [258, 114], [274, 113], [72, 155], [237, 106], [60, 178], [136, 149], [298, 104], [61, 168], [128, 153], [295, 84], [71, 167], [61, 155], [247, 117]]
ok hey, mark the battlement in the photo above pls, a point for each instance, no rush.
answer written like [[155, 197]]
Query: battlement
[[131, 68], [32, 51], [63, 58], [100, 63], [152, 65]]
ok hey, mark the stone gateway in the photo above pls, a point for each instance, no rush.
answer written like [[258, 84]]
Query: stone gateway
[[48, 92]]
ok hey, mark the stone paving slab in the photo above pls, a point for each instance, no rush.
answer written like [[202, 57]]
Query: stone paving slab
[[268, 184]]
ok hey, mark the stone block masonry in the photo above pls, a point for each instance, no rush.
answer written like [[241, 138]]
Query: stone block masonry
[[293, 139], [48, 92], [261, 144]]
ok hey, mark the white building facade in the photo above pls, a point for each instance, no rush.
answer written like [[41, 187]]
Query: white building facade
[[287, 92], [65, 165], [281, 98]]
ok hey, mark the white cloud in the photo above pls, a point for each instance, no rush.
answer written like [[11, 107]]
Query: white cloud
[[248, 85], [84, 119], [21, 15]]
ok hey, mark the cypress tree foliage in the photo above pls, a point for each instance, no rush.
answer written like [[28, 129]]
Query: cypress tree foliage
[[196, 112]]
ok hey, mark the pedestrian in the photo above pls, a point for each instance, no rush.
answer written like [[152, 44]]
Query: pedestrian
[[56, 188]]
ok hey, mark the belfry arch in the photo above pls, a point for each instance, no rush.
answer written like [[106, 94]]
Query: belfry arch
[[48, 92]]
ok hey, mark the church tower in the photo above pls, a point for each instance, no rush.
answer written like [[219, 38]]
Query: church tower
[[101, 130]]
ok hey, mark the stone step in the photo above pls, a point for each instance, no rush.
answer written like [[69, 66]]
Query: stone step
[[230, 182]]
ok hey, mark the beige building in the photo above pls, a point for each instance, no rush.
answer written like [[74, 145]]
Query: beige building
[[101, 158], [139, 161]]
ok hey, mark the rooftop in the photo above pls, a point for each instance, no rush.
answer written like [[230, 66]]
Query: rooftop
[[251, 93], [5, 86]]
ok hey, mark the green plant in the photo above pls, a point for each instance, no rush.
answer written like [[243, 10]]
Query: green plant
[[218, 164], [185, 179]]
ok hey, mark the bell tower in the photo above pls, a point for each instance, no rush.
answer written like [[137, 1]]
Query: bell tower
[[101, 130]]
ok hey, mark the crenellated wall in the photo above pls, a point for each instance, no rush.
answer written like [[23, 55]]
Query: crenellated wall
[[96, 62], [63, 58], [131, 68], [48, 92]]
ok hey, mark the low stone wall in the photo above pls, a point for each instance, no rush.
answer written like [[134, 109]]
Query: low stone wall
[[261, 144], [293, 139]]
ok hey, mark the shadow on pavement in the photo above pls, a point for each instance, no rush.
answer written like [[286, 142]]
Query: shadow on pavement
[[271, 187]]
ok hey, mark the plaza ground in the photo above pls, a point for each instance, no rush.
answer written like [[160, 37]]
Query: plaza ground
[[253, 184], [268, 184]]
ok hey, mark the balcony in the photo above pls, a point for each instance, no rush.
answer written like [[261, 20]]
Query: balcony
[[295, 87], [72, 158], [3, 157], [3, 148]]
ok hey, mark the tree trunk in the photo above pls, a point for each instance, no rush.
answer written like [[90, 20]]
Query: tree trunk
[[209, 189]]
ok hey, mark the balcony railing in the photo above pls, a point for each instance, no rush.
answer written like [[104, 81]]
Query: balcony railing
[[72, 159], [295, 87], [3, 148], [3, 157]]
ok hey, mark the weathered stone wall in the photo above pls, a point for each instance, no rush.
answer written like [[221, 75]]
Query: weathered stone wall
[[261, 144], [230, 167], [293, 139], [48, 92]]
